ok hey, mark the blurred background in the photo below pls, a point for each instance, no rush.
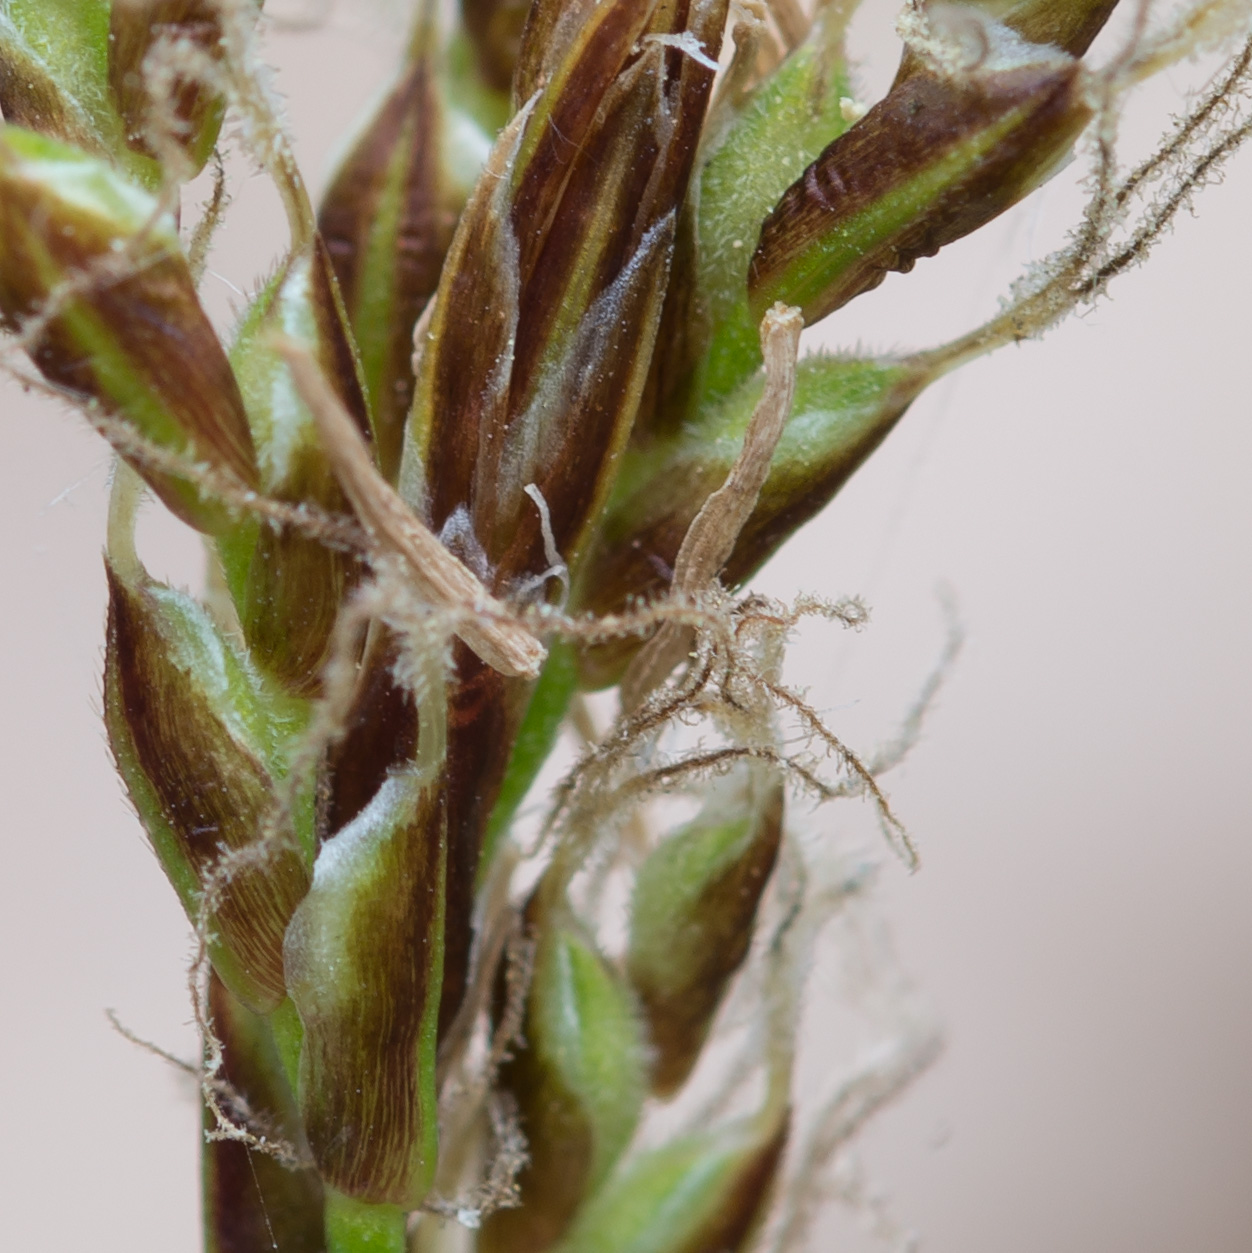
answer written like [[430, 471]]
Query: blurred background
[[1082, 796]]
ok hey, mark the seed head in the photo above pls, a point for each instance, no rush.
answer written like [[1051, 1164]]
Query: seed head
[[553, 286]]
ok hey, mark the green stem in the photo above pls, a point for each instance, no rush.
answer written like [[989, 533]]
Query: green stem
[[288, 1033], [357, 1227], [535, 740]]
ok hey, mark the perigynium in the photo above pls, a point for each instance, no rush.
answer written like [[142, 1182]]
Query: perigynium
[[517, 416]]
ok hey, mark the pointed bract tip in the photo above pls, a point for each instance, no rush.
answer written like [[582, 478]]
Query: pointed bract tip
[[164, 63], [88, 267], [979, 119]]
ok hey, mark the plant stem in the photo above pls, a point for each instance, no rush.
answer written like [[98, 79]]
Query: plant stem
[[535, 742], [357, 1227]]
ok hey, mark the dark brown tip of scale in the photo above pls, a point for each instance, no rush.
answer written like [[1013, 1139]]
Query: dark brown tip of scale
[[389, 195], [495, 29], [730, 1230], [193, 111], [824, 243]]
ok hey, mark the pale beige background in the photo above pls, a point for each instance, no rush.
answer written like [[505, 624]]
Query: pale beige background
[[1082, 797]]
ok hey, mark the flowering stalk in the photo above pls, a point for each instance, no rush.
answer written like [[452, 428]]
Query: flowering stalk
[[520, 412]]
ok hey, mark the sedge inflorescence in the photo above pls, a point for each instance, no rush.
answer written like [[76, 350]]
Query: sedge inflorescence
[[516, 418]]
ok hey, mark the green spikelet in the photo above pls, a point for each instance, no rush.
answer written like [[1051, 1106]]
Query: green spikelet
[[692, 916], [287, 585], [704, 1194], [387, 219], [579, 1082]]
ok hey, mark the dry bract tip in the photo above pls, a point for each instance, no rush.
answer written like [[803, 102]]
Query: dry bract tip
[[487, 625], [711, 538]]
